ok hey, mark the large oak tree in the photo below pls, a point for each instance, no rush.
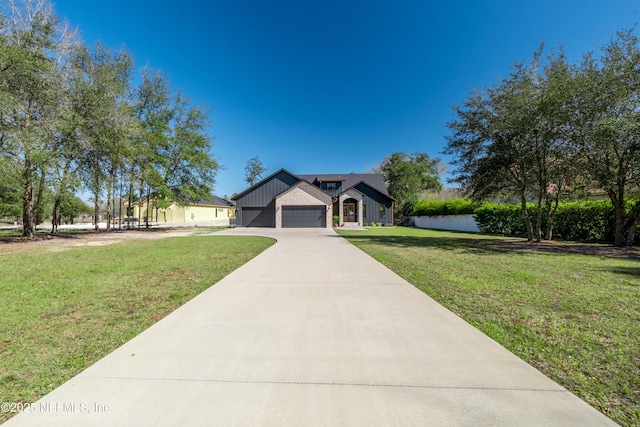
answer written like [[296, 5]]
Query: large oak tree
[[551, 129]]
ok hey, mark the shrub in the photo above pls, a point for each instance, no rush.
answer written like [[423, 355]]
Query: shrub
[[495, 218], [433, 208], [585, 221], [594, 220]]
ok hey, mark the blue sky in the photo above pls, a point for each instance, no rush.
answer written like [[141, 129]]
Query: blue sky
[[335, 86]]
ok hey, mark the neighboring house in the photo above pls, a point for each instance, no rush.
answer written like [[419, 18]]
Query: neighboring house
[[216, 211], [287, 200]]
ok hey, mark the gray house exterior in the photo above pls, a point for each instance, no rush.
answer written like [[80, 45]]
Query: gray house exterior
[[285, 200]]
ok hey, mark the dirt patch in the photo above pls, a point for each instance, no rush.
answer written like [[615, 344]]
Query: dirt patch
[[92, 238]]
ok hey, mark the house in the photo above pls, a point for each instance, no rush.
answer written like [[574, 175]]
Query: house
[[285, 200], [216, 211]]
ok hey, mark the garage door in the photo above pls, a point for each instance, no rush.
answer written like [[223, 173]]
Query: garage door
[[258, 217], [304, 216]]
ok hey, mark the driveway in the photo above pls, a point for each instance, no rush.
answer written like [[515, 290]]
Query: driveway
[[311, 332]]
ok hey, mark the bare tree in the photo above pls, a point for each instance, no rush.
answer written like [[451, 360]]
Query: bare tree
[[253, 170]]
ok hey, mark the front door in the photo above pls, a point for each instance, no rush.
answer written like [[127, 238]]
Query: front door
[[349, 211]]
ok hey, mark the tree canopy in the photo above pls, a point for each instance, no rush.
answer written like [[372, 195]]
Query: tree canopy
[[406, 176], [71, 117], [552, 130]]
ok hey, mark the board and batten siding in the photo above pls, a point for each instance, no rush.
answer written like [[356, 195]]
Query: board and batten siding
[[373, 199], [264, 194]]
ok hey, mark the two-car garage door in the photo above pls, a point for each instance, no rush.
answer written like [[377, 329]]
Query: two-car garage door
[[309, 216], [313, 216]]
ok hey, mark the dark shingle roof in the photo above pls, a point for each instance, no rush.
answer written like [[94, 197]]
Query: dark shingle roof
[[215, 201], [373, 180]]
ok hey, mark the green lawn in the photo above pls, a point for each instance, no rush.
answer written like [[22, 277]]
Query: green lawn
[[572, 311], [61, 311]]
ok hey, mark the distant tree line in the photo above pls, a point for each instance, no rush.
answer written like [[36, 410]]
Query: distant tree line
[[71, 117], [555, 130]]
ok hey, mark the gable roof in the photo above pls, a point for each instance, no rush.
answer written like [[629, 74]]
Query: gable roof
[[262, 181], [350, 180], [373, 180], [384, 193]]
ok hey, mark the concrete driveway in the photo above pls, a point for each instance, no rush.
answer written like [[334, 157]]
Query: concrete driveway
[[312, 332]]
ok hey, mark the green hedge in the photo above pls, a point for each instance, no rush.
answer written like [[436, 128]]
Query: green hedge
[[495, 218], [433, 208], [584, 221], [590, 221]]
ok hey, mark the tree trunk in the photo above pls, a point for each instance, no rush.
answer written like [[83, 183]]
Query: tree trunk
[[549, 232], [57, 206], [617, 200], [538, 230], [120, 202], [525, 217], [96, 211], [55, 220], [109, 206], [111, 190], [619, 237], [28, 226], [148, 206], [632, 226], [130, 205], [140, 203], [37, 210], [551, 215]]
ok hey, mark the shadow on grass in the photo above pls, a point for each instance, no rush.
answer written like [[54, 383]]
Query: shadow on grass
[[628, 271], [480, 245], [477, 246], [37, 238]]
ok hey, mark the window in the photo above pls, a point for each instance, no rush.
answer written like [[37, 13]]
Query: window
[[383, 210], [331, 186], [364, 210]]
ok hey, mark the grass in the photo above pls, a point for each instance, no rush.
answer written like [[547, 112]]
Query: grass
[[571, 311], [62, 311]]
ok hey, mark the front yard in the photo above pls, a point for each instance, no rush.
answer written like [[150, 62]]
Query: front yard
[[570, 310], [63, 306]]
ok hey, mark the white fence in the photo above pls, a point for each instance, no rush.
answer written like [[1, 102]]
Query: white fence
[[447, 222]]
